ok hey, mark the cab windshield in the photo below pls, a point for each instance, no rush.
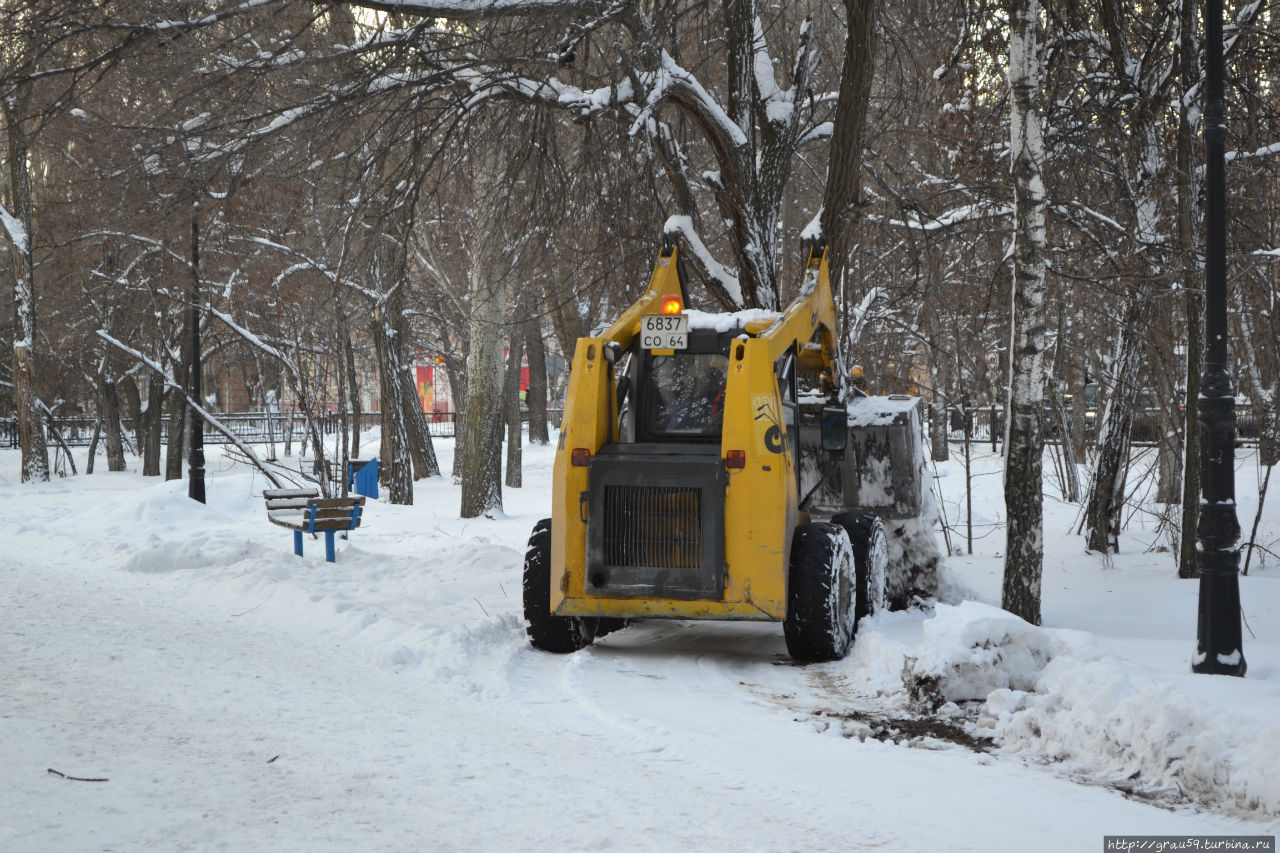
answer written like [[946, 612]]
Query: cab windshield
[[685, 394]]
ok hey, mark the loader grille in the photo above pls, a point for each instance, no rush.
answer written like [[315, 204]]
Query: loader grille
[[655, 526], [655, 522]]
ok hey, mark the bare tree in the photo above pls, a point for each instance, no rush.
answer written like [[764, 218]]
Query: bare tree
[[1024, 432]]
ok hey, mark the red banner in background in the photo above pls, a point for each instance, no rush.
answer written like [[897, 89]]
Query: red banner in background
[[426, 387]]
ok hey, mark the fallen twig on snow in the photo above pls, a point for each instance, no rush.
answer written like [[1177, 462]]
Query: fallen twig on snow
[[62, 775]]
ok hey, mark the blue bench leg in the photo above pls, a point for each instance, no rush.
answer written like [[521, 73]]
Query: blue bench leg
[[328, 547], [297, 542]]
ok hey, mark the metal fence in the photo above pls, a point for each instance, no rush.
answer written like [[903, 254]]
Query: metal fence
[[249, 427], [986, 425]]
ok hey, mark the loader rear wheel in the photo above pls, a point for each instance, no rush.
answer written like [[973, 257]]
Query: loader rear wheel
[[548, 632], [821, 594], [870, 559]]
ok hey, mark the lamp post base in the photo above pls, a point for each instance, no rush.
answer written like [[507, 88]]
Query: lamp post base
[[1219, 647]]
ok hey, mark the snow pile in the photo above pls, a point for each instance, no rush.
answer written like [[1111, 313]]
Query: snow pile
[[874, 663], [1053, 694], [1105, 720], [972, 649]]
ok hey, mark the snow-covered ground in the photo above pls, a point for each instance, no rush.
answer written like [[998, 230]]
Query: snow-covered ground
[[236, 697]]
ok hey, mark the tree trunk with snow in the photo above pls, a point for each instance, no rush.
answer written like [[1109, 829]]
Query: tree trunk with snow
[[537, 395], [179, 415], [511, 395], [178, 428], [131, 403], [109, 407], [396, 462], [17, 228], [1024, 436], [1168, 425], [940, 379], [844, 163], [1106, 492], [353, 387], [93, 445], [421, 449], [153, 426], [482, 422], [1071, 490], [1192, 290]]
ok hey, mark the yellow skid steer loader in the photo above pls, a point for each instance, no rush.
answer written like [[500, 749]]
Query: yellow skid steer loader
[[720, 466]]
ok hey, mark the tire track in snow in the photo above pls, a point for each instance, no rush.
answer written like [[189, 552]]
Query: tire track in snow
[[673, 698]]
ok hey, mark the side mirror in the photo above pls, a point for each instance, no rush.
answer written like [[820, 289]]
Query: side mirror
[[835, 428]]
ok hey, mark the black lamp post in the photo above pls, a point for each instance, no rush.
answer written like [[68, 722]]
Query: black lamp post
[[1218, 637], [195, 485]]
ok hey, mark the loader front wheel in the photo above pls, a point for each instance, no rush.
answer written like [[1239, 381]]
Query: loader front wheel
[[870, 559], [821, 595], [548, 632]]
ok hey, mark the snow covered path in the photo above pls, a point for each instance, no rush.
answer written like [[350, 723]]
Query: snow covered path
[[238, 698]]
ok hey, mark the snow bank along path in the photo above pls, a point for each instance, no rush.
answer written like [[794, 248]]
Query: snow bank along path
[[237, 697]]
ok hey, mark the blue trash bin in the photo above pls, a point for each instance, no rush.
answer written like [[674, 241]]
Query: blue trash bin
[[362, 477]]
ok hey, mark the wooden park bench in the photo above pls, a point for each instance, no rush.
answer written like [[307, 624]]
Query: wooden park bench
[[304, 511]]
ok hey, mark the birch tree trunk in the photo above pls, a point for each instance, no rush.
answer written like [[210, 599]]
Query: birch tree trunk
[[1145, 82], [17, 227], [1024, 436], [1106, 493]]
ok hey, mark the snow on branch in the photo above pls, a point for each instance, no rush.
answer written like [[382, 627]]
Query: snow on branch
[[777, 102], [818, 131], [209, 419], [15, 229], [1264, 151], [474, 10], [964, 213], [856, 320], [279, 120], [171, 25], [1101, 217], [487, 84], [253, 339], [305, 263], [682, 227], [672, 81]]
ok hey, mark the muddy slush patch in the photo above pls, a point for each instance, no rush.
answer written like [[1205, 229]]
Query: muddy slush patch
[[926, 732]]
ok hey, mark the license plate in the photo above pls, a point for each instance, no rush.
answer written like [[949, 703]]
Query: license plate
[[664, 331]]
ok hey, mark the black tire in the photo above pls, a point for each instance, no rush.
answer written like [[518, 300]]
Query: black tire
[[548, 632], [821, 594], [870, 560]]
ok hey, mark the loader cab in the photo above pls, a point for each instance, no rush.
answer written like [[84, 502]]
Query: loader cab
[[677, 396]]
